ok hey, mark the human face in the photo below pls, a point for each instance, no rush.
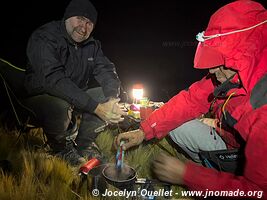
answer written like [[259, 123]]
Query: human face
[[79, 28], [222, 73]]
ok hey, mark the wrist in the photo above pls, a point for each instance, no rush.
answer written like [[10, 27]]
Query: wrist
[[142, 133]]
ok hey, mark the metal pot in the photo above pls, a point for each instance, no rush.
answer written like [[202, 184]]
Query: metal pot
[[122, 179], [96, 180]]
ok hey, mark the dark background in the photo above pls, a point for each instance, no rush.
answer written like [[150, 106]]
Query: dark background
[[150, 42]]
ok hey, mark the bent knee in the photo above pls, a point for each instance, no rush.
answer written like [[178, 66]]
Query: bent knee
[[189, 132]]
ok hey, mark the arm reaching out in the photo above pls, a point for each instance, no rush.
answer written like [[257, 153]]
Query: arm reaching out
[[132, 138]]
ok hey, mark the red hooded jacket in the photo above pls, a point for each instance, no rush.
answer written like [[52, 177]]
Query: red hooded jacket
[[246, 53]]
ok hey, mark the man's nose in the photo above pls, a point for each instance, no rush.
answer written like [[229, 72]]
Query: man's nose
[[84, 27]]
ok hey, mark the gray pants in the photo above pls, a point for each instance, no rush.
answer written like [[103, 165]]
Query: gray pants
[[195, 136], [56, 117]]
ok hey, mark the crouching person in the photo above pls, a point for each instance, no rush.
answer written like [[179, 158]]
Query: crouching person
[[63, 59], [234, 50]]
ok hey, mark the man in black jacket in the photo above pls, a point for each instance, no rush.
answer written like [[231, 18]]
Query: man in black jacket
[[63, 59]]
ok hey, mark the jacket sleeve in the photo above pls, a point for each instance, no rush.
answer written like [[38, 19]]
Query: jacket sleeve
[[254, 176], [186, 105], [50, 74], [105, 74]]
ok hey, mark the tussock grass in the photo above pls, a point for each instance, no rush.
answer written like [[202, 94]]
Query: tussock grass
[[105, 143], [36, 175]]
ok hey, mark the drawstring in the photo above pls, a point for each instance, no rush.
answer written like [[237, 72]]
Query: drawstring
[[224, 104], [211, 133], [223, 114], [223, 111]]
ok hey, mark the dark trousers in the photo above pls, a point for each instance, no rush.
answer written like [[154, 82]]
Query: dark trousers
[[57, 118]]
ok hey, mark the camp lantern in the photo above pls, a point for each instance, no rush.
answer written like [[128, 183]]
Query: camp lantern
[[138, 92]]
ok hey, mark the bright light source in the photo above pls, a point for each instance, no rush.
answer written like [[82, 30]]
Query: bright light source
[[138, 91]]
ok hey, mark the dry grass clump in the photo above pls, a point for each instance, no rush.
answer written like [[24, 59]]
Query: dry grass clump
[[32, 174]]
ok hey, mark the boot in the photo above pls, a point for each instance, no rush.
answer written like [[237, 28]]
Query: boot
[[91, 126], [65, 149], [70, 155], [90, 151]]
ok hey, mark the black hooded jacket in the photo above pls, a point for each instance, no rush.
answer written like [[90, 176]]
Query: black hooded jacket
[[59, 67]]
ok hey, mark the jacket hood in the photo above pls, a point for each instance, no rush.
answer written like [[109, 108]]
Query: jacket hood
[[244, 52]]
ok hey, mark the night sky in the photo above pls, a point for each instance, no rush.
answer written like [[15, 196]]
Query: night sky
[[150, 42]]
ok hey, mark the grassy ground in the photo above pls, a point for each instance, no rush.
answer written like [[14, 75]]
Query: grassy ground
[[30, 173]]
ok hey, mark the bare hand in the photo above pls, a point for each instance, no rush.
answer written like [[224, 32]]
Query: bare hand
[[110, 111], [169, 169], [131, 138], [209, 121]]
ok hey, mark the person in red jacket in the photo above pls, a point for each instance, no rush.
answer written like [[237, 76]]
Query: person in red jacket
[[234, 50]]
